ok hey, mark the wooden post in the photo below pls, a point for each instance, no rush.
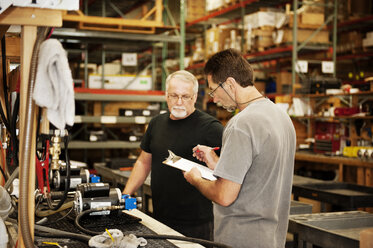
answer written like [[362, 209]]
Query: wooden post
[[28, 37], [340, 170], [360, 176]]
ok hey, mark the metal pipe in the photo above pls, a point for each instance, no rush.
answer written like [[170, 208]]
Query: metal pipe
[[182, 33]]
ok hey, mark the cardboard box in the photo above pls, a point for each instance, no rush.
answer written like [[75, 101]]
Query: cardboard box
[[285, 35], [350, 42], [195, 10], [312, 18], [284, 82], [216, 38], [212, 5], [308, 20], [128, 82], [262, 19]]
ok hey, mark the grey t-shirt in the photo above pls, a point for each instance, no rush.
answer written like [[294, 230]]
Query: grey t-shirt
[[258, 153]]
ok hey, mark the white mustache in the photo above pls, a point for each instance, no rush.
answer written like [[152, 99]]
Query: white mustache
[[179, 107]]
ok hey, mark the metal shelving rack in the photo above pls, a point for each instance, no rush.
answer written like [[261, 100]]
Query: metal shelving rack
[[112, 42], [241, 8]]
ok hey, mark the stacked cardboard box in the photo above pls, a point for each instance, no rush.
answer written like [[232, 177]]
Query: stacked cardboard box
[[284, 81], [350, 42], [129, 82], [195, 10], [309, 18], [285, 35], [368, 41], [259, 28], [218, 39], [212, 5]]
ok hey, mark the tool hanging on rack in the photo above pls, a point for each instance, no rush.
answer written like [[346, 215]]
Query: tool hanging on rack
[[42, 166]]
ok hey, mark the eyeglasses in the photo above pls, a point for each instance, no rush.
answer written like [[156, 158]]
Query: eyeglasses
[[211, 93], [176, 98]]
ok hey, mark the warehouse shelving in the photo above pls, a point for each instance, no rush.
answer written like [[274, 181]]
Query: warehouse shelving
[[112, 119], [113, 144], [82, 94], [232, 14], [105, 96], [109, 30]]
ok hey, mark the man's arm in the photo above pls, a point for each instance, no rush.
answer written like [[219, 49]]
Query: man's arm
[[220, 191], [139, 173]]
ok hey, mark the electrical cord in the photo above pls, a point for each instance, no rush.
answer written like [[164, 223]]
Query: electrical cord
[[148, 236], [51, 232], [183, 238], [44, 213], [8, 121], [5, 87], [13, 124], [3, 172]]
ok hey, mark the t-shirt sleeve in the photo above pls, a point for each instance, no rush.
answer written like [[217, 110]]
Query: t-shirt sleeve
[[236, 156]]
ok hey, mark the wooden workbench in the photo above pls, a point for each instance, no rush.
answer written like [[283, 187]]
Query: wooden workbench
[[364, 167]]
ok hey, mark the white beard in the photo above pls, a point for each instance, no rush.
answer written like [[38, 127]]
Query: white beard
[[178, 112]]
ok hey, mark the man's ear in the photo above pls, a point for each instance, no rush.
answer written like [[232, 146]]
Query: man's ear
[[231, 83]]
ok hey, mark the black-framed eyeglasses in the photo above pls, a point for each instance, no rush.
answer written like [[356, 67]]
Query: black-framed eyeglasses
[[211, 93]]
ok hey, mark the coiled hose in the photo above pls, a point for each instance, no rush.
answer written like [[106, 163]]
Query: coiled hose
[[146, 236], [26, 145]]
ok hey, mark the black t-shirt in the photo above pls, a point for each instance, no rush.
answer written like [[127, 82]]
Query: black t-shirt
[[174, 199]]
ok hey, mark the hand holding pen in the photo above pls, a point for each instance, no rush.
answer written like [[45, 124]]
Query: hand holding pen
[[206, 154]]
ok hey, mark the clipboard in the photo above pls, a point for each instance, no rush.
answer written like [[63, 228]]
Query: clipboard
[[186, 165]]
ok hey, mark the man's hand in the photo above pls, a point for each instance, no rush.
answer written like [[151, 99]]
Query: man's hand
[[206, 154], [193, 176]]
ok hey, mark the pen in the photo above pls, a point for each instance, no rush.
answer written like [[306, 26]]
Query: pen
[[212, 148]]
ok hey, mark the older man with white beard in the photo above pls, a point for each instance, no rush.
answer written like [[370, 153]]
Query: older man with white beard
[[175, 202]]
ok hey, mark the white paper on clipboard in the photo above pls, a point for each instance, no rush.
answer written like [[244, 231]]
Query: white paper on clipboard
[[186, 165]]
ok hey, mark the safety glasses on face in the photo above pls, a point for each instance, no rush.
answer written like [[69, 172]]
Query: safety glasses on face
[[175, 98], [211, 93]]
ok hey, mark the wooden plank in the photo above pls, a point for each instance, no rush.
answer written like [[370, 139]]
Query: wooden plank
[[340, 170], [369, 182], [12, 46], [319, 158], [31, 17], [360, 176], [158, 12], [110, 21]]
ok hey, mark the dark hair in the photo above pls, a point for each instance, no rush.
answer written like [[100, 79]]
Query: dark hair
[[229, 63]]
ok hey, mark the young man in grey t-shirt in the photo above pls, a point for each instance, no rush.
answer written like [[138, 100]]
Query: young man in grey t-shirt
[[255, 169]]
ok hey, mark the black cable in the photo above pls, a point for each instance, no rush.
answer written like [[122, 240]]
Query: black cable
[[61, 218], [148, 236], [79, 216], [183, 238], [60, 234], [13, 124], [2, 172], [5, 84]]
